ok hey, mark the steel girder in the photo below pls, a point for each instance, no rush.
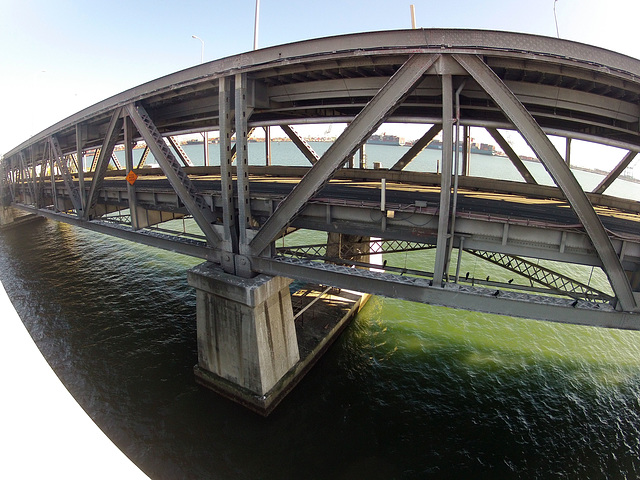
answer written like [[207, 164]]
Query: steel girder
[[365, 123], [229, 215], [242, 114], [418, 147], [72, 189], [302, 145], [457, 296], [445, 181], [615, 173], [100, 168], [178, 179], [557, 168], [186, 161], [513, 156]]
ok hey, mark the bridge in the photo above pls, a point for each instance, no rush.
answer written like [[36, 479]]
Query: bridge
[[447, 80]]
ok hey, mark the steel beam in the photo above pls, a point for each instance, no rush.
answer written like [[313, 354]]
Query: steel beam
[[445, 181], [417, 147], [366, 122], [115, 125], [557, 168], [143, 158], [72, 189], [178, 179], [128, 157], [229, 216], [242, 114], [116, 162], [80, 136], [186, 161], [615, 173], [302, 145], [513, 156], [25, 176], [476, 299]]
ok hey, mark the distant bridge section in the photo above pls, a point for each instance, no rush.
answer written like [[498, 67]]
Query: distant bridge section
[[448, 80]]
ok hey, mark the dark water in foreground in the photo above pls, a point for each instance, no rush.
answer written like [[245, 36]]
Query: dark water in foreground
[[408, 391]]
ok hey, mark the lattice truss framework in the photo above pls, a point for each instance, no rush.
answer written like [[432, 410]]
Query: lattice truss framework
[[350, 254]]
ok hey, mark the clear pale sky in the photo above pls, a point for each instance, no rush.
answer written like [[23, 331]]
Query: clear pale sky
[[57, 57]]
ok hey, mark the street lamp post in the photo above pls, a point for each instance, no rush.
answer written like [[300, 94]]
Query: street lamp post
[[202, 49], [205, 135]]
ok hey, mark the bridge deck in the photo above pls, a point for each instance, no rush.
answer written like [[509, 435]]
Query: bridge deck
[[449, 80], [550, 211]]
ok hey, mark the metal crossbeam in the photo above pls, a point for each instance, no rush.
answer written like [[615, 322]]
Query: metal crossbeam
[[116, 162], [180, 151], [301, 143], [374, 247], [513, 156], [544, 276], [615, 173], [465, 297], [25, 172], [115, 125], [364, 124], [61, 161], [418, 147], [179, 180], [143, 158], [557, 168], [94, 162]]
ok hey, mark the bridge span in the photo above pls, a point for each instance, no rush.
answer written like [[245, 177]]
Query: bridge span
[[447, 80]]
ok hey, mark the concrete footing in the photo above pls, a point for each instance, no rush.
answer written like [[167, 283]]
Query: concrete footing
[[11, 218], [249, 342]]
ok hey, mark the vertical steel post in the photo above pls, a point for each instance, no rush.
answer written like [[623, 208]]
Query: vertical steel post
[[256, 26], [230, 232], [80, 160], [242, 162], [128, 157], [445, 180], [205, 136], [465, 151], [267, 146], [567, 154], [459, 262]]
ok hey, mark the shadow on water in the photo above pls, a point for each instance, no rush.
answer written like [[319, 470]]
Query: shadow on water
[[408, 391]]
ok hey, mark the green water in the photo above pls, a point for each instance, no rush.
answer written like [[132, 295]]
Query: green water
[[408, 390]]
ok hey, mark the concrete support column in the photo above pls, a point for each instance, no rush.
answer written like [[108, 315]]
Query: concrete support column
[[350, 247], [246, 334]]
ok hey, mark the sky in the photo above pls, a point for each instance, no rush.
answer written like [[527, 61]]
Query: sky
[[57, 58]]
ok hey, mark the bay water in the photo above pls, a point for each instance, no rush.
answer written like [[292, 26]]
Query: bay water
[[407, 391]]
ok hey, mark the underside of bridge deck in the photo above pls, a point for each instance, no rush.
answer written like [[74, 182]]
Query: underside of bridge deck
[[449, 81]]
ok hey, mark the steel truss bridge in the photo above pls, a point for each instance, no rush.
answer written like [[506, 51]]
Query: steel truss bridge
[[449, 80]]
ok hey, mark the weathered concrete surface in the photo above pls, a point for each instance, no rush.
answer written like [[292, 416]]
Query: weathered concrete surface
[[246, 333], [315, 330], [11, 217]]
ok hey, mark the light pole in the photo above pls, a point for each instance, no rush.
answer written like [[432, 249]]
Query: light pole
[[205, 135], [33, 87], [256, 26], [202, 50]]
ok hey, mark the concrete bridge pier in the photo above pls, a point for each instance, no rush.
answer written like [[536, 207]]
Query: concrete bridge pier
[[246, 336], [11, 217]]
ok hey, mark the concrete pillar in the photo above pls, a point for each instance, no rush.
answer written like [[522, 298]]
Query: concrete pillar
[[351, 247], [7, 215], [246, 334]]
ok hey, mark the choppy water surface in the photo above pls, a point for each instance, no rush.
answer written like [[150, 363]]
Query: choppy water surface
[[408, 391]]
